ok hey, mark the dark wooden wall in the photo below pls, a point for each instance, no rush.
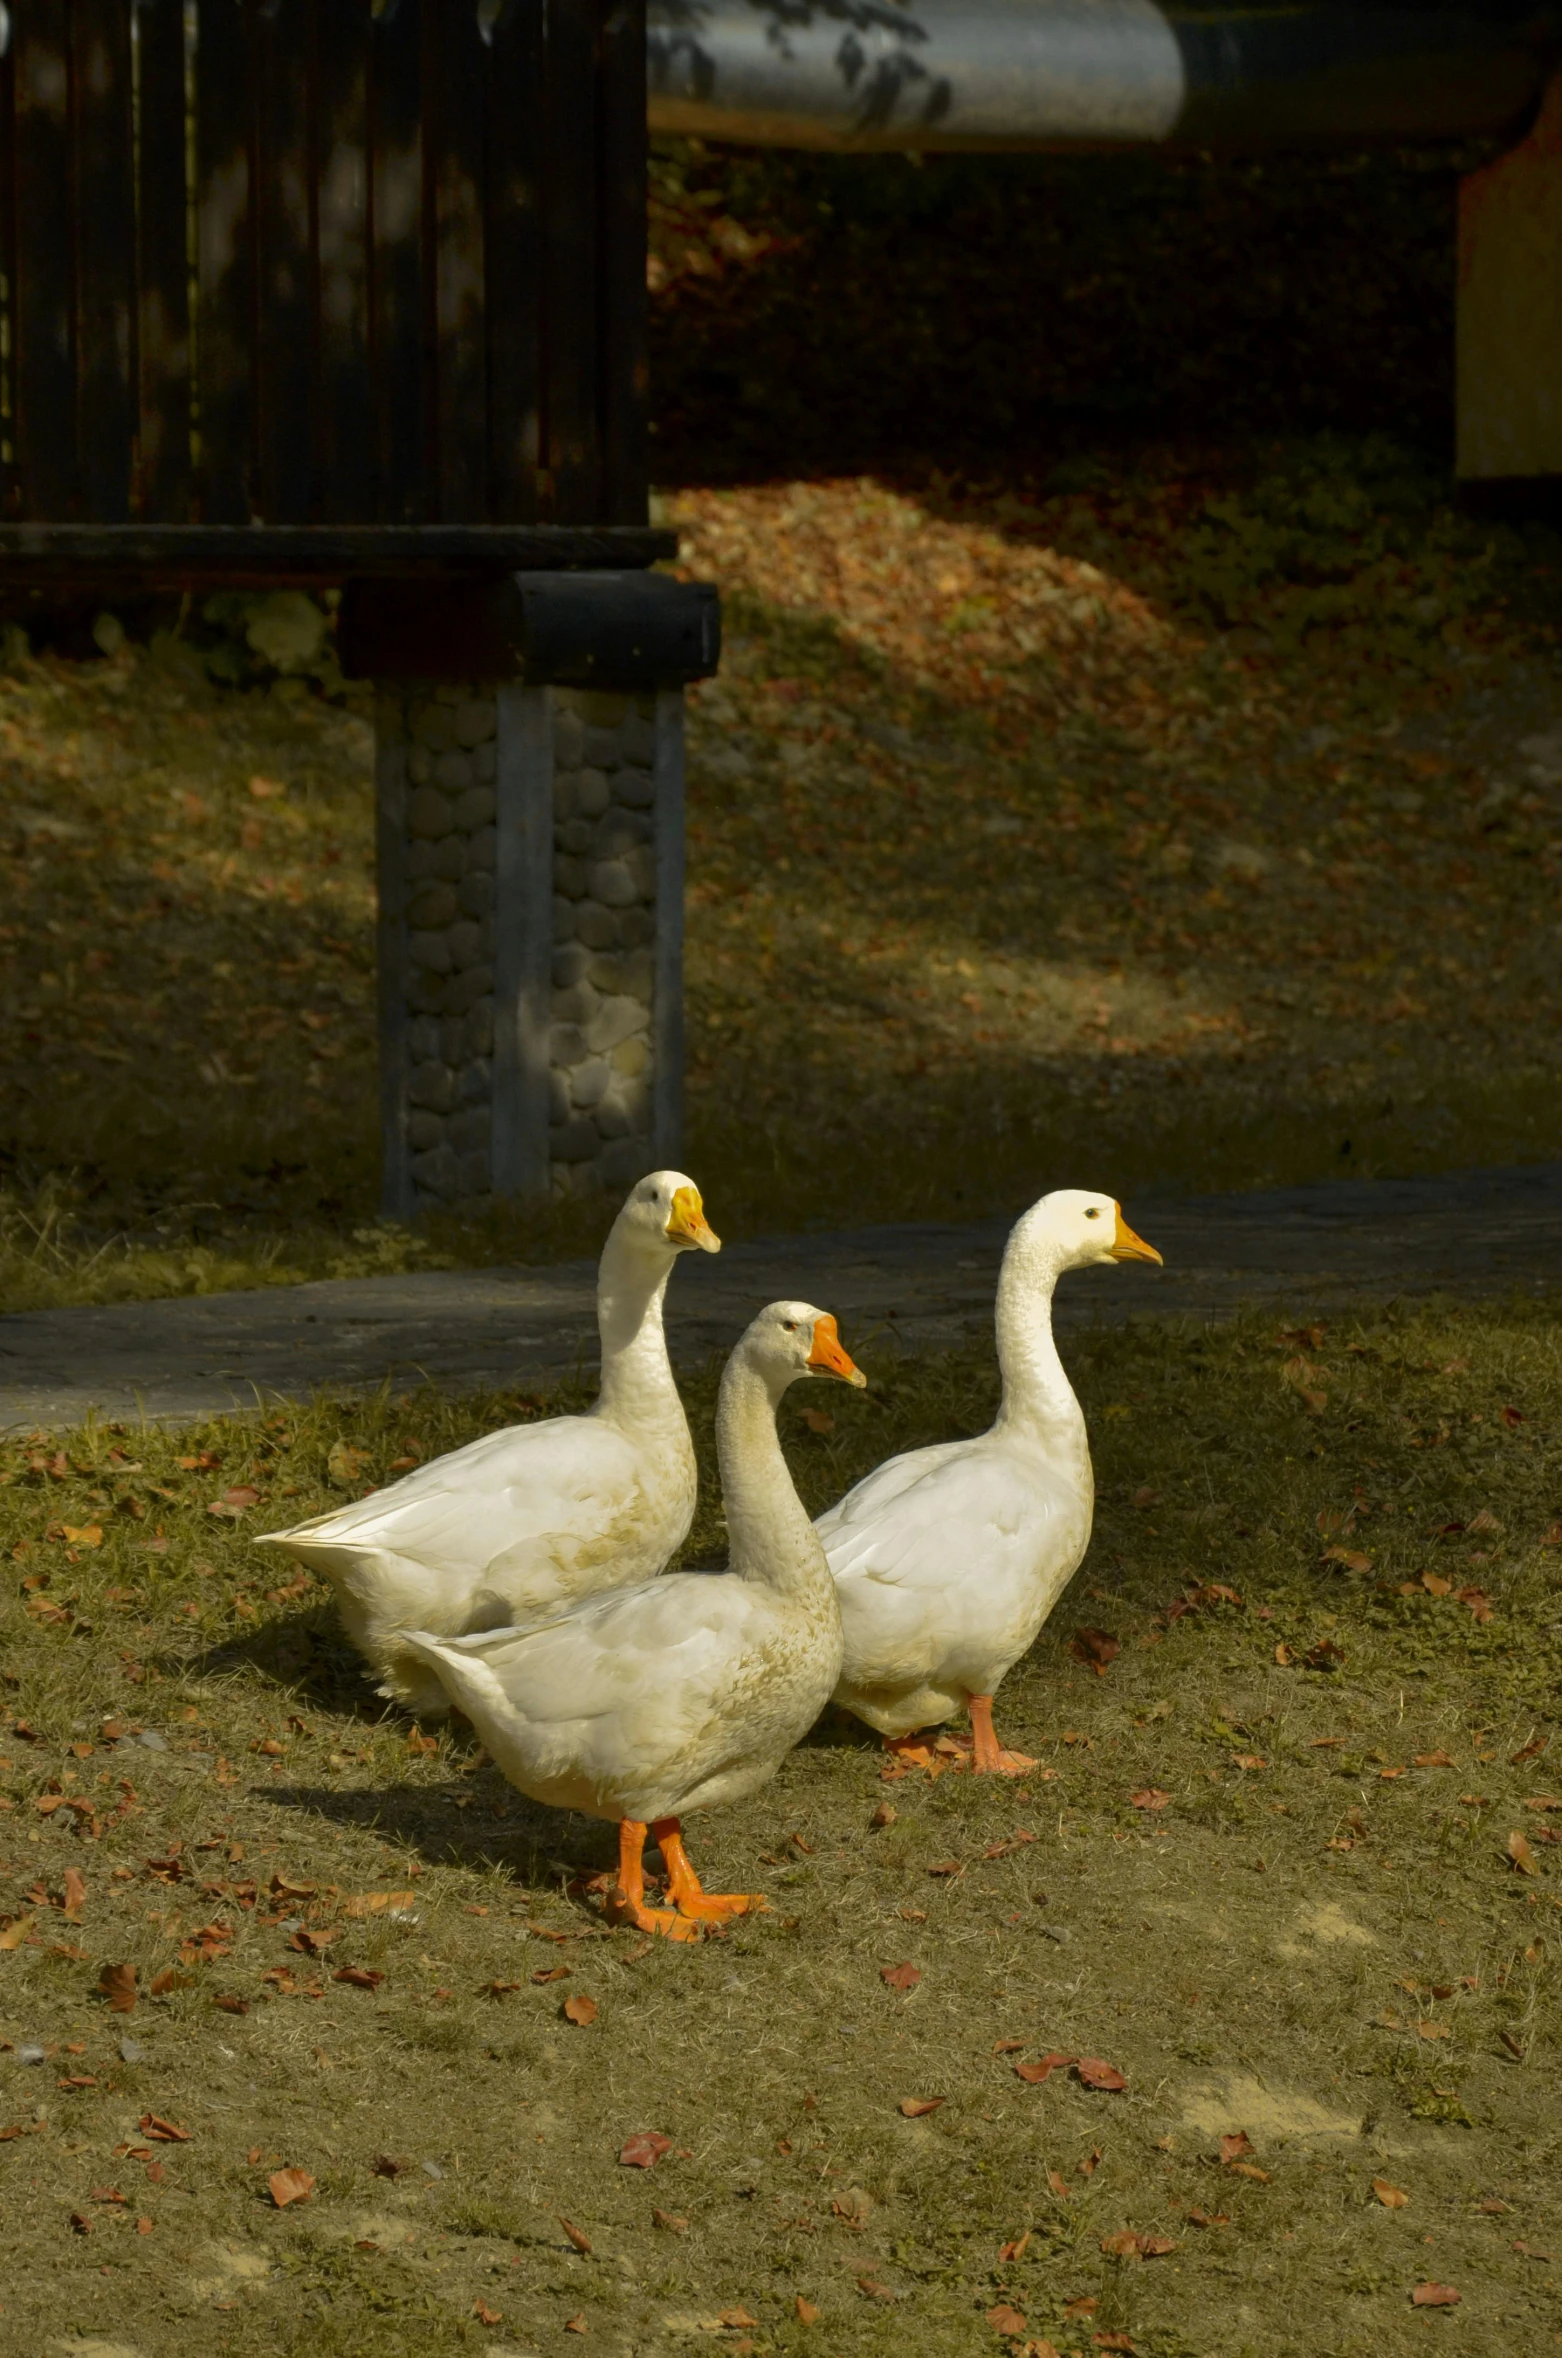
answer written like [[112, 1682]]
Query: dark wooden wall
[[324, 265]]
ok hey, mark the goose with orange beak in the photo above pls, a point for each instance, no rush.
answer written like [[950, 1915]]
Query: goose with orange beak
[[948, 1560], [537, 1515], [685, 1691]]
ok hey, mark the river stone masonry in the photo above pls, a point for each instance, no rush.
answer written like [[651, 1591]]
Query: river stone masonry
[[531, 940]]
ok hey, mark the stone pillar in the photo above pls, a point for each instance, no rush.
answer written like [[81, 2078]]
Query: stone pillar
[[531, 914]]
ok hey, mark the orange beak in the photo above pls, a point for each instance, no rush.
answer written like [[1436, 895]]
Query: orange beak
[[828, 1357], [687, 1224], [1128, 1247]]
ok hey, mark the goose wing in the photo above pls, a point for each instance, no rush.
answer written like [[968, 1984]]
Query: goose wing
[[620, 1685], [485, 1504], [935, 1547]]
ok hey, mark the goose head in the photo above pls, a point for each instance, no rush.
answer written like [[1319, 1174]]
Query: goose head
[[1082, 1229], [792, 1340], [663, 1214]]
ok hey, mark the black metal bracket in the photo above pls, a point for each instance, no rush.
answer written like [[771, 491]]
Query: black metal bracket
[[570, 630]]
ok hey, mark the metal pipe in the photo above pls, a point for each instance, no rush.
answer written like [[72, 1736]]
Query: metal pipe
[[1019, 74]]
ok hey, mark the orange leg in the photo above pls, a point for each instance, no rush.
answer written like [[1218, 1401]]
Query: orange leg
[[989, 1753], [683, 1885], [626, 1904]]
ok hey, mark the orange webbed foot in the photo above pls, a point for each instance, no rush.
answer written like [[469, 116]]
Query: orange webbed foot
[[626, 1900], [685, 1890], [988, 1756]]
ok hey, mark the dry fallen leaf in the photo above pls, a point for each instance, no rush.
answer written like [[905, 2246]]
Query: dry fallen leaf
[[807, 2311], [358, 1977], [1435, 2296], [546, 1973], [1059, 2184], [871, 2287], [1096, 1647], [899, 1977], [1393, 2198], [1005, 2320], [581, 2241], [670, 2220], [1033, 2074], [1149, 1797], [1093, 2072], [1433, 1760], [580, 2011], [16, 1932], [736, 2320], [1014, 2250], [152, 2124], [1208, 2219], [117, 1983], [643, 2151], [485, 2315], [1235, 2145], [853, 2206], [1520, 1854], [915, 2107], [290, 2186]]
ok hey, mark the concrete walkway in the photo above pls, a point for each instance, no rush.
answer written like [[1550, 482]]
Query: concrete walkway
[[1309, 1249]]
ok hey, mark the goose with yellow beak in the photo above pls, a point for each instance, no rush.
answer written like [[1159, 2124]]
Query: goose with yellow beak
[[534, 1517], [948, 1560], [687, 1691]]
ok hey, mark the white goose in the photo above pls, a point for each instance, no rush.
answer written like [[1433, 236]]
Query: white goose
[[948, 1560], [687, 1690], [537, 1515]]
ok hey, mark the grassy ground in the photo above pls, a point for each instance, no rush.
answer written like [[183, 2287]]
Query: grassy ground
[[1080, 796], [1201, 826], [1285, 1866]]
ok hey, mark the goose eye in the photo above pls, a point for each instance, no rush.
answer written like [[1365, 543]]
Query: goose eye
[[790, 1325], [1092, 1213]]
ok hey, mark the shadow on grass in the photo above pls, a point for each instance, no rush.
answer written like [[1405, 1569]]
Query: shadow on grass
[[487, 1826], [304, 1654]]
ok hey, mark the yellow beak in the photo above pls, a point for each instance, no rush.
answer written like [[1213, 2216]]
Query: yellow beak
[[1128, 1247], [687, 1224], [829, 1355]]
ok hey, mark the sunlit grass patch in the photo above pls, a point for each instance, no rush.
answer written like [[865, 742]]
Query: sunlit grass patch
[[1265, 1872]]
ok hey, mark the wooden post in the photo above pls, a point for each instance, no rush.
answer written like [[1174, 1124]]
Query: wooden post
[[1510, 312]]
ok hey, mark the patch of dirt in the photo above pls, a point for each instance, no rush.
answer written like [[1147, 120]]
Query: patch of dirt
[[1269, 2115]]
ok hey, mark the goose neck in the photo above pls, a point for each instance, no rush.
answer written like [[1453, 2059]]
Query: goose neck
[[771, 1538], [637, 1378], [1036, 1391]]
